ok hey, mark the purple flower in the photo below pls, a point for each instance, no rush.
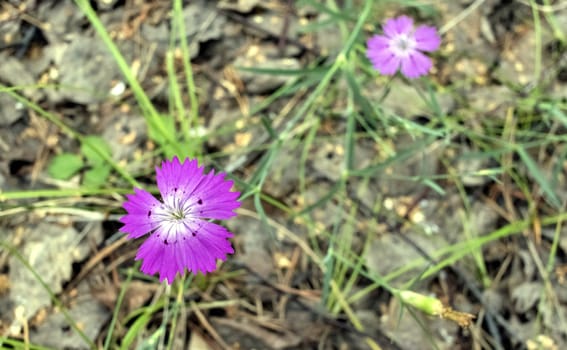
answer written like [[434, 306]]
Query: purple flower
[[179, 235], [401, 45]]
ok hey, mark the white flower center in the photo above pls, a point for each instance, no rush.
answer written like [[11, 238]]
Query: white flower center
[[176, 217], [403, 45]]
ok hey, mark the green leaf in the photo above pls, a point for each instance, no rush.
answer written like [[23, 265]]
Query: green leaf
[[168, 126], [137, 328], [64, 166], [96, 177], [92, 147], [538, 175]]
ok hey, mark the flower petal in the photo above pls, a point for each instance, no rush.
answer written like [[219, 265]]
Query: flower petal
[[198, 252], [377, 42], [174, 176], [153, 255], [139, 219], [213, 199], [386, 62], [416, 65], [427, 38], [398, 25], [210, 194]]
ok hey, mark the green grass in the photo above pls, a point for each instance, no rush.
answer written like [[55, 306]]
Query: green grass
[[336, 90]]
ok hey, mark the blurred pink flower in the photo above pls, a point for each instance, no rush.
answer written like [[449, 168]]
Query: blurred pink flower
[[401, 46]]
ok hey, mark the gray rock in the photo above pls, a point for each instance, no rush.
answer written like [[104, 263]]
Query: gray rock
[[87, 71]]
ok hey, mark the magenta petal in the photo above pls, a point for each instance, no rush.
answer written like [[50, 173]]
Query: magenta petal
[[208, 245], [377, 42], [174, 176], [151, 253], [213, 198], [379, 53], [398, 25], [426, 38], [198, 253], [222, 208], [139, 220], [385, 62], [154, 254], [416, 65]]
